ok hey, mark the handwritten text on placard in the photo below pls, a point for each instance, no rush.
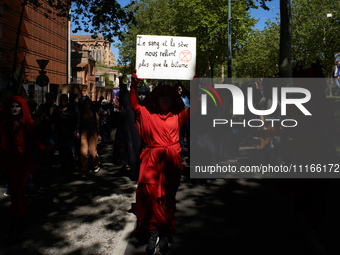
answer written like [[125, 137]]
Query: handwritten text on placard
[[166, 57]]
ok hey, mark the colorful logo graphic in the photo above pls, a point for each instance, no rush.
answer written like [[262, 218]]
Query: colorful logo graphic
[[209, 93]]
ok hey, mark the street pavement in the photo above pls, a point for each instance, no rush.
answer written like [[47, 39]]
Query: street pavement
[[72, 215]]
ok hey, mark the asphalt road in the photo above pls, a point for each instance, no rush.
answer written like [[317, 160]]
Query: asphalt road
[[75, 216]]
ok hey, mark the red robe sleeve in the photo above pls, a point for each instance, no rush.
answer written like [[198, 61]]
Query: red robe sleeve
[[184, 116]]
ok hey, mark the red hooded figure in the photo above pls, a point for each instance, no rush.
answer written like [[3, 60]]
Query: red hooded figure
[[158, 124], [18, 139]]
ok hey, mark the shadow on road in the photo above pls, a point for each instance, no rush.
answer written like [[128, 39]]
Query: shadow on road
[[73, 215]]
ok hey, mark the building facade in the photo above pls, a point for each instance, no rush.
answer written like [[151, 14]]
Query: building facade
[[107, 78], [90, 54], [99, 48], [90, 80], [111, 74], [43, 36], [84, 73]]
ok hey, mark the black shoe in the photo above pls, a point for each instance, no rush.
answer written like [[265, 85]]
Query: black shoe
[[164, 247], [152, 244]]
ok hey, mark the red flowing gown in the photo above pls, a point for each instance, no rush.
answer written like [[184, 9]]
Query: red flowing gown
[[161, 166]]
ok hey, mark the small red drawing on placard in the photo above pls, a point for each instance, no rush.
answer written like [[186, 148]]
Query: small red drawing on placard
[[185, 56]]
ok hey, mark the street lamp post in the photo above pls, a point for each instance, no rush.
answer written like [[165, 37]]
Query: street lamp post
[[42, 79], [229, 39]]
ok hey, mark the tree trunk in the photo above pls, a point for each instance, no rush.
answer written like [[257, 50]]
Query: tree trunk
[[211, 69], [285, 62], [222, 67]]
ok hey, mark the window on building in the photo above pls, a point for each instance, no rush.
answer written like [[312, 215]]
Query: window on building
[[99, 47], [99, 56], [84, 47], [91, 47]]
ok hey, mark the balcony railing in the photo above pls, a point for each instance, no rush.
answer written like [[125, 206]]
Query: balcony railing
[[78, 80], [100, 83]]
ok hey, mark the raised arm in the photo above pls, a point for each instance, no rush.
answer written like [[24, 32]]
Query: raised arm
[[133, 91]]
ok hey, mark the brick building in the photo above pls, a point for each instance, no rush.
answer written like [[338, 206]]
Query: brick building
[[84, 73], [99, 48], [42, 37], [87, 77]]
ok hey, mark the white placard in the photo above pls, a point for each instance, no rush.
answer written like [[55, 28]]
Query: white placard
[[165, 57]]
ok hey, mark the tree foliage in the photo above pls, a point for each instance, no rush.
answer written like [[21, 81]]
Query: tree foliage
[[255, 53], [207, 20], [91, 16], [100, 16], [315, 36], [259, 57]]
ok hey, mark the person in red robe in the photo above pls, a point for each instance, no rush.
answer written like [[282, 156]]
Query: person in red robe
[[158, 124], [18, 139]]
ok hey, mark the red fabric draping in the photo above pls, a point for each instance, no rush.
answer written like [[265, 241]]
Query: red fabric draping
[[161, 161], [16, 153]]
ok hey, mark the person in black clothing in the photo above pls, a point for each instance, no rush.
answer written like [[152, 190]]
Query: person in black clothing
[[104, 116], [64, 119], [43, 120], [32, 105]]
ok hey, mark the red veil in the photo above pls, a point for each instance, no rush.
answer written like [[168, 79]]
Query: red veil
[[152, 100]]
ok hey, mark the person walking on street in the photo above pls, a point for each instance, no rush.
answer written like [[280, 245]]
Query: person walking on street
[[43, 119], [158, 124], [104, 116], [32, 105], [45, 129], [18, 139], [336, 75], [88, 132], [185, 129], [64, 120]]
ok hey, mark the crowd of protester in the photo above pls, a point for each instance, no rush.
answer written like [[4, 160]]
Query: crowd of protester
[[148, 131], [73, 127]]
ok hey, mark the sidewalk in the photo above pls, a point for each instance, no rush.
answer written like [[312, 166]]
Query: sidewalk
[[74, 215], [233, 216]]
